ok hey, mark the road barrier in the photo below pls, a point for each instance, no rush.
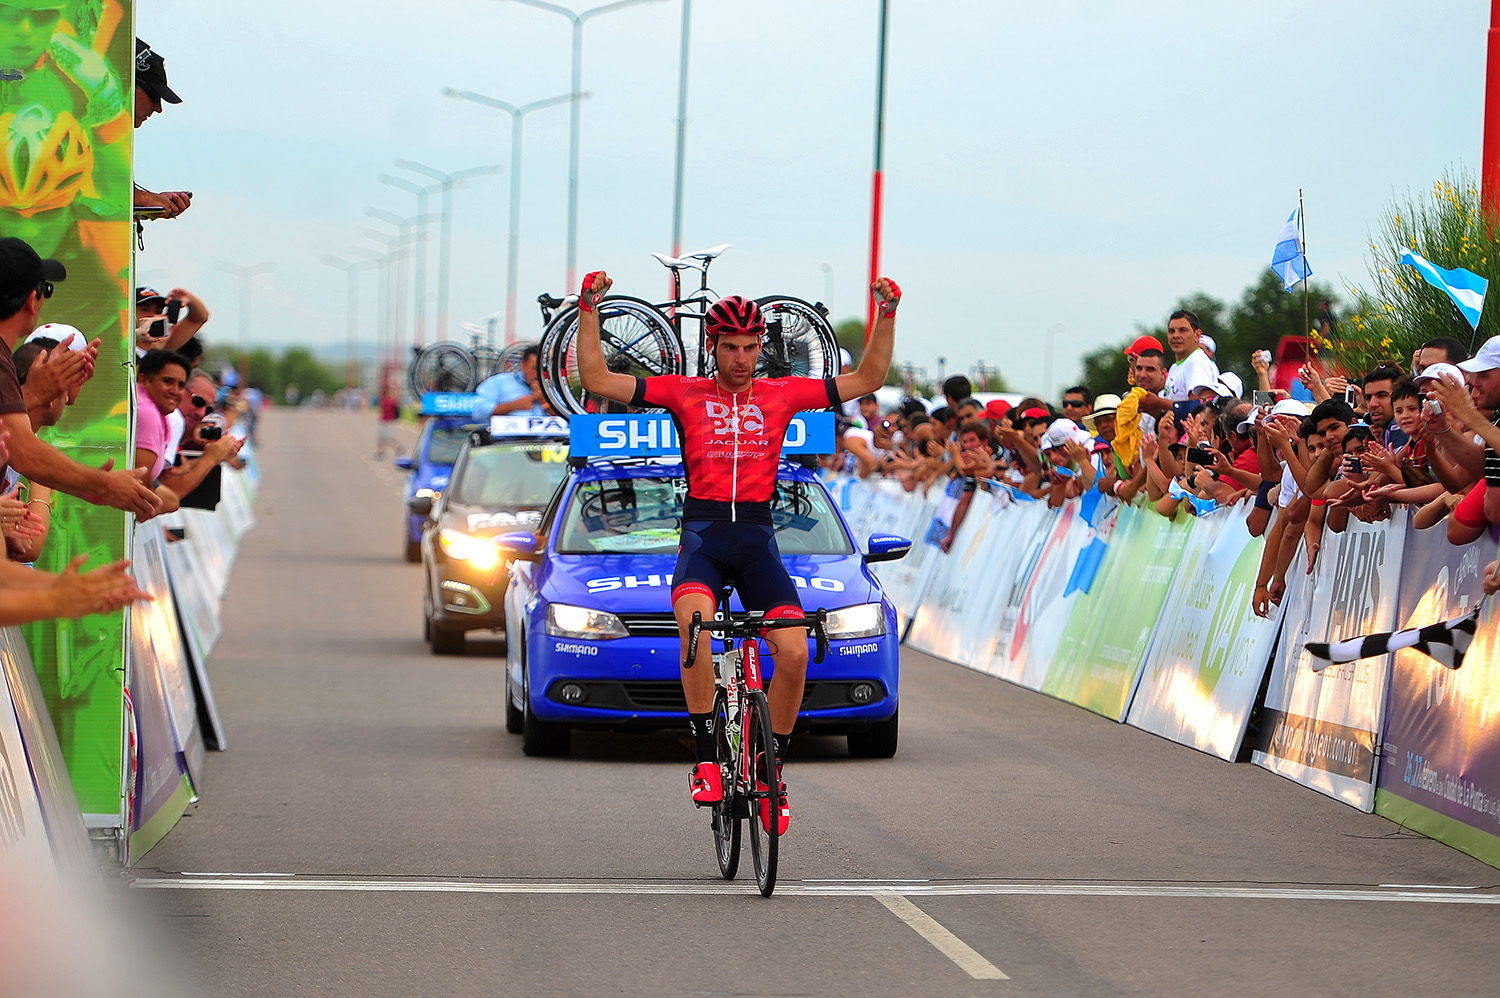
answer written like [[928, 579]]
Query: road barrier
[[1148, 621], [183, 560]]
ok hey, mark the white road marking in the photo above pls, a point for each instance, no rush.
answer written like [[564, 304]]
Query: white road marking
[[945, 942], [1436, 887], [820, 889]]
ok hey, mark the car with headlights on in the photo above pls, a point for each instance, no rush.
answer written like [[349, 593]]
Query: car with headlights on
[[429, 467], [502, 480], [592, 639]]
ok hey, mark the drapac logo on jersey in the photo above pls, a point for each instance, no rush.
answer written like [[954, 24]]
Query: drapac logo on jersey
[[653, 434], [448, 403], [746, 419], [528, 426]]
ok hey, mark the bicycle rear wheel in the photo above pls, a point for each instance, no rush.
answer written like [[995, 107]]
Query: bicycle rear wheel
[[804, 346], [637, 340], [726, 823], [760, 762], [510, 357]]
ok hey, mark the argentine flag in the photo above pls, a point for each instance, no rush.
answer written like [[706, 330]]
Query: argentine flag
[[1465, 287], [1288, 260]]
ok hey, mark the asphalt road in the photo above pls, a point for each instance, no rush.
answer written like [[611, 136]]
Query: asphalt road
[[374, 831]]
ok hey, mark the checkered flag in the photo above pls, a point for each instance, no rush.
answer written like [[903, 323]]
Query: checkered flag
[[1445, 641]]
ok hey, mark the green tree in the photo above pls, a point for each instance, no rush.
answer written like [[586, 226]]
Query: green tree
[[1264, 314], [851, 336]]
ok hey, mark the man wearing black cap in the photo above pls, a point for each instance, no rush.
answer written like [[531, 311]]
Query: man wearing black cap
[[25, 282], [150, 91]]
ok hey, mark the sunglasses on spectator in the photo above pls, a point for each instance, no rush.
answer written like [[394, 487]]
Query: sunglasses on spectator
[[202, 403], [1074, 403], [44, 289]]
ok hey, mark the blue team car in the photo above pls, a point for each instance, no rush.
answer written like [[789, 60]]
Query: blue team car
[[429, 465], [592, 642]]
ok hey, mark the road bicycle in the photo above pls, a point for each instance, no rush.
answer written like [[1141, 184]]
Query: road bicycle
[[643, 339], [742, 736]]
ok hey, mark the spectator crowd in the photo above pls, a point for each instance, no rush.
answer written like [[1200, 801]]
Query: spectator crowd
[[183, 414], [1184, 438]]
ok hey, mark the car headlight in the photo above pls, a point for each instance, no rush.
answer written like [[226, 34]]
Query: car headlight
[[480, 553], [564, 621], [863, 621]]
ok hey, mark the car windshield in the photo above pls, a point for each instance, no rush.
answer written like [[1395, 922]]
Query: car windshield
[[510, 475], [644, 516], [443, 448]]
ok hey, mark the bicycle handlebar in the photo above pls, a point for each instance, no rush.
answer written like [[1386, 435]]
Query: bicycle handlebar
[[754, 624]]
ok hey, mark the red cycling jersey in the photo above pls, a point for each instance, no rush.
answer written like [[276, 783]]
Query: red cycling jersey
[[731, 441]]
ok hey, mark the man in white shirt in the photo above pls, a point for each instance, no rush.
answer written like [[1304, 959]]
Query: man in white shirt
[[1193, 366]]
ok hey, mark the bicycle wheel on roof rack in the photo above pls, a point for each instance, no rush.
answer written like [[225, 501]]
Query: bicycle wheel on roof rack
[[799, 341], [637, 340], [510, 357], [442, 367]]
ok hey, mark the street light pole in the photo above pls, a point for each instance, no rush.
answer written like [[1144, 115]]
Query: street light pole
[[351, 309], [682, 80], [1052, 331], [383, 336], [512, 254], [828, 285], [577, 20], [445, 249], [419, 335], [247, 277], [403, 242]]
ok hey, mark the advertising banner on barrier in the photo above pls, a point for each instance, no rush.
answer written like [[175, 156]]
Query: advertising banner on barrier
[[1035, 609], [1210, 651], [167, 657], [49, 777], [937, 627], [1104, 640], [1440, 757], [895, 511], [23, 833], [1321, 728], [66, 125]]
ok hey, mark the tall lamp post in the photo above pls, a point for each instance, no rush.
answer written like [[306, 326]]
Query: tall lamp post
[[247, 276], [1052, 331], [402, 252], [351, 310], [682, 77], [419, 327], [877, 192], [512, 253], [446, 181], [384, 312], [577, 20]]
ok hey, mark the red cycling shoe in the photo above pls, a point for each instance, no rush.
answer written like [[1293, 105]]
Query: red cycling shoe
[[783, 812], [706, 784]]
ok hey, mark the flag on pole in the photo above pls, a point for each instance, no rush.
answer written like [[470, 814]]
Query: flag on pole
[[1465, 287], [1289, 260]]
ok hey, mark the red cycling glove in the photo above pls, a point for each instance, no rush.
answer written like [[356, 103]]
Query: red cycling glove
[[887, 306], [588, 298]]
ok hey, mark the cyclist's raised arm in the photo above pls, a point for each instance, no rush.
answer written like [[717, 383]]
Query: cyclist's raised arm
[[596, 377], [876, 362]]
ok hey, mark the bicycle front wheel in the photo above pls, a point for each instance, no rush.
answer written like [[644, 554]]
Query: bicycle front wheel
[[637, 340], [726, 823], [799, 342], [759, 759]]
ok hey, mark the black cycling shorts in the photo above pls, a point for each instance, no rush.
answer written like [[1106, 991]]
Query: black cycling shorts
[[715, 550]]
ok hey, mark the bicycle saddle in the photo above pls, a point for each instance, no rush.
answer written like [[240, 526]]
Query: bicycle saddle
[[547, 301], [708, 254], [676, 264]]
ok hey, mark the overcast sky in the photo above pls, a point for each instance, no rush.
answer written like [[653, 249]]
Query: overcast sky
[[1083, 162]]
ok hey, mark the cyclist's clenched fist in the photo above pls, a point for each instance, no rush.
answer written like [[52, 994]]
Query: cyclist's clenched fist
[[887, 295], [596, 285]]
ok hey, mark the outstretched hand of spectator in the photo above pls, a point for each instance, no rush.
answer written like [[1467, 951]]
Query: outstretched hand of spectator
[[1492, 578], [1167, 430], [62, 371], [1456, 401], [1150, 449], [104, 589], [1260, 602]]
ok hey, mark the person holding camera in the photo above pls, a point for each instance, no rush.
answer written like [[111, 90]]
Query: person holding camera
[[204, 445], [166, 322]]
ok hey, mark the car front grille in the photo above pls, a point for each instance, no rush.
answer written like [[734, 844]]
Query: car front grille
[[650, 625], [660, 696]]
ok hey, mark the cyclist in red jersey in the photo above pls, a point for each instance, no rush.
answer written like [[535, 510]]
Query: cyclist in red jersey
[[731, 427]]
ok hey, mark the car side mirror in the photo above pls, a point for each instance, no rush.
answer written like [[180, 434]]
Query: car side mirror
[[404, 463], [419, 505], [886, 547], [519, 545]]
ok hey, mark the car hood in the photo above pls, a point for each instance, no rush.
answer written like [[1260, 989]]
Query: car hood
[[635, 583]]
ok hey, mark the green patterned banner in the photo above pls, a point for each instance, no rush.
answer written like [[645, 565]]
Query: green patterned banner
[[66, 105]]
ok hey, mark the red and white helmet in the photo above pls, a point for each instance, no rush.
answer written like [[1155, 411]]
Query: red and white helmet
[[735, 315]]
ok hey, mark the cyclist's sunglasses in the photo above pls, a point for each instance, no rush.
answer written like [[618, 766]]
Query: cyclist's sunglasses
[[202, 403]]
